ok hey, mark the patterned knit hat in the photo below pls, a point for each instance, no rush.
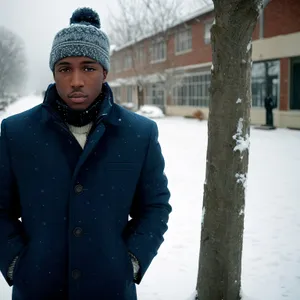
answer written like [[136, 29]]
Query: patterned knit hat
[[82, 38]]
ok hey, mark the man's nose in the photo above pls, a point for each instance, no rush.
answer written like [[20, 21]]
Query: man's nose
[[77, 80]]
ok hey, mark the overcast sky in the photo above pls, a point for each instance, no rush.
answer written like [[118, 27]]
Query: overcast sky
[[37, 22]]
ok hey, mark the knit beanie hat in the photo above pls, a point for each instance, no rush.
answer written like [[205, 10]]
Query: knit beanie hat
[[83, 37]]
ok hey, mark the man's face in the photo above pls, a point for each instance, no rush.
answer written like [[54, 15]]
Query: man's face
[[79, 81]]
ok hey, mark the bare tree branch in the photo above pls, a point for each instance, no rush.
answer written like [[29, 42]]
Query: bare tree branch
[[152, 21], [140, 18], [12, 62]]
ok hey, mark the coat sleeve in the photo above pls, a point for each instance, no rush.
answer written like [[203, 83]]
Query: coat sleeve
[[150, 210], [11, 242]]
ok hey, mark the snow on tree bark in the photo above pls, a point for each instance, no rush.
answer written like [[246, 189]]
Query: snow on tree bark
[[219, 274]]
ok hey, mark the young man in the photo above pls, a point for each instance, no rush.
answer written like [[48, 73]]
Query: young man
[[74, 169]]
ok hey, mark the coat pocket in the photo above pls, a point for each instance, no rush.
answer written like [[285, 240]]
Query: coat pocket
[[130, 267], [129, 264]]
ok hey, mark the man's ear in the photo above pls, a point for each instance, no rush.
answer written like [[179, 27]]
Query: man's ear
[[104, 75]]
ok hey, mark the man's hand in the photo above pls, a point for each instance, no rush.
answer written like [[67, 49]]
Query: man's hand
[[11, 268], [136, 266]]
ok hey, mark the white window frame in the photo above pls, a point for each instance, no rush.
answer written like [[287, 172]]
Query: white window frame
[[118, 65], [197, 92], [156, 88], [117, 93], [156, 47], [140, 54], [129, 94], [128, 63], [259, 83], [183, 41], [207, 33]]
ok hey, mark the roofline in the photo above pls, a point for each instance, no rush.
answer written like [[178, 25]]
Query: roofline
[[265, 3], [198, 13]]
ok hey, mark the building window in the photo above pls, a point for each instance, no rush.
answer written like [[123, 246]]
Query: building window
[[207, 33], [140, 54], [128, 61], [113, 66], [295, 80], [117, 64], [117, 94], [158, 51], [155, 94], [183, 41], [129, 94], [192, 90], [265, 81]]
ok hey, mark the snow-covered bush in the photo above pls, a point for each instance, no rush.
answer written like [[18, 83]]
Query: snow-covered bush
[[150, 111]]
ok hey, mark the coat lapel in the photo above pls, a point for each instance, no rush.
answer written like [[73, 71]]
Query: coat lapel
[[92, 141], [109, 116]]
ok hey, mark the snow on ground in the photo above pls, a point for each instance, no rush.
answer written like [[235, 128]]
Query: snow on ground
[[271, 258], [21, 105]]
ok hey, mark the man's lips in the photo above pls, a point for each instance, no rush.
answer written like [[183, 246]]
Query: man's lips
[[77, 98]]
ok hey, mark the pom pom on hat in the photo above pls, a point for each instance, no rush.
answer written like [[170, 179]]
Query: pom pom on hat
[[85, 16]]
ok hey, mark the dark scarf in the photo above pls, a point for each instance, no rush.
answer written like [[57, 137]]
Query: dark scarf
[[78, 118]]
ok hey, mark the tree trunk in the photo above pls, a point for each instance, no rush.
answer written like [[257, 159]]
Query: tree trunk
[[219, 275], [140, 95]]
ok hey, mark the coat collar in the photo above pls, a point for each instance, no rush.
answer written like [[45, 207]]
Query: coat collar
[[109, 114]]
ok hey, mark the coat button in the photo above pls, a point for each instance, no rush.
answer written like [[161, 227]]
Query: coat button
[[76, 274], [78, 188], [78, 232]]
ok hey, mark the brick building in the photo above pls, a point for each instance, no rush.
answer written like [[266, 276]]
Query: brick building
[[173, 71]]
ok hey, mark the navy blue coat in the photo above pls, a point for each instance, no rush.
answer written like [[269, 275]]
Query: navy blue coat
[[75, 234]]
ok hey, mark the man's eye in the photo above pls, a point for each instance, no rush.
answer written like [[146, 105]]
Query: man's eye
[[64, 70], [89, 69]]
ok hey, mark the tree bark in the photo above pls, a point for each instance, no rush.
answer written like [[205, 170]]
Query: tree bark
[[140, 95], [219, 275]]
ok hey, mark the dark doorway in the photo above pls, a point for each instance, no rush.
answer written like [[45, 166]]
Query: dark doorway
[[295, 84], [140, 95]]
